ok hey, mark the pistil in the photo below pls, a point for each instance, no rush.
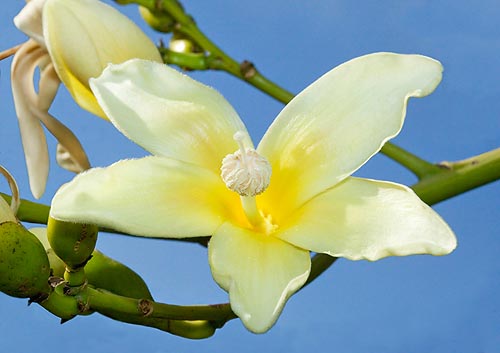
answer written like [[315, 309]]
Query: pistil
[[247, 173]]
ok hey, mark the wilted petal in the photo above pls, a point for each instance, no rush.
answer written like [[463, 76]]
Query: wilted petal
[[67, 140], [25, 101], [67, 161], [152, 196], [168, 113], [336, 124], [47, 86], [83, 37], [259, 272], [368, 219], [70, 153]]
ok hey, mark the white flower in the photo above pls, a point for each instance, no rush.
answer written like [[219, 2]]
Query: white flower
[[261, 239]]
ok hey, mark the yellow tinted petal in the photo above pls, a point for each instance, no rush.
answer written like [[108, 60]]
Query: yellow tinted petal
[[152, 196], [368, 219], [168, 113], [337, 123], [83, 37], [259, 272]]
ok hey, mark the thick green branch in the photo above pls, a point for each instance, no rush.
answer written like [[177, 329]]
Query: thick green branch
[[198, 321], [458, 177], [99, 300], [30, 211]]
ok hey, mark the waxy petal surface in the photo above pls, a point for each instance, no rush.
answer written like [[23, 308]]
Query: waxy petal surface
[[336, 124], [152, 196], [83, 37], [168, 113], [259, 272], [368, 219]]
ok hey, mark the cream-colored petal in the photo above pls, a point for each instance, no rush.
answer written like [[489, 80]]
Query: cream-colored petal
[[368, 219], [103, 35], [29, 20], [168, 113], [25, 101], [337, 123], [152, 196], [259, 272]]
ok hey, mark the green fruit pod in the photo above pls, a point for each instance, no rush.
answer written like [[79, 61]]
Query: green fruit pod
[[72, 242], [24, 266]]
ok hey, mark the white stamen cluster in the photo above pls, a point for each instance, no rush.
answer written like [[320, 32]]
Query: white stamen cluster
[[246, 172]]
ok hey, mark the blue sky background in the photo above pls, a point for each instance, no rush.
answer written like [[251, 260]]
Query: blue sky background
[[413, 304]]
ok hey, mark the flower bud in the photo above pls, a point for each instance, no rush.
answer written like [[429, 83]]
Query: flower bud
[[159, 21], [72, 242], [106, 273], [83, 37], [24, 266]]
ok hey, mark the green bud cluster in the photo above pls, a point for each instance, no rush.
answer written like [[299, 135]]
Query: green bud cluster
[[101, 271]]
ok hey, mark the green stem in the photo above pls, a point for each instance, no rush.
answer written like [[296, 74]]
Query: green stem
[[100, 300], [30, 211], [67, 306], [418, 166], [458, 177], [184, 60]]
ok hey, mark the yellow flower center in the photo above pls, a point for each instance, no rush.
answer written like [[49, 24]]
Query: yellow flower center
[[248, 173]]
